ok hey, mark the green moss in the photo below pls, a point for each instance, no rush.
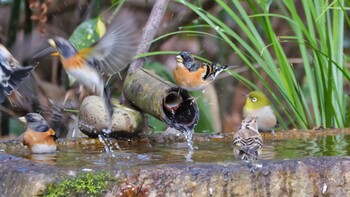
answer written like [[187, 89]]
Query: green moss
[[84, 184]]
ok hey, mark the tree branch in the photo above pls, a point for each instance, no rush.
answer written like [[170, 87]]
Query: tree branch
[[149, 32], [182, 19]]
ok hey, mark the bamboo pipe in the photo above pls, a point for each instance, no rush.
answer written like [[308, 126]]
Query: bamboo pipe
[[161, 99]]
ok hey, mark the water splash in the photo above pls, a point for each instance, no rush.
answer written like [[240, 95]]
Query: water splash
[[107, 142], [188, 135]]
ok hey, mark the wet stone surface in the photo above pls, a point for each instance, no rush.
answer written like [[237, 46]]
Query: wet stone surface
[[304, 177]]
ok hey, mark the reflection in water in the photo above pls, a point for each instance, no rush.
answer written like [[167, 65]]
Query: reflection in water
[[89, 156], [337, 145], [49, 158]]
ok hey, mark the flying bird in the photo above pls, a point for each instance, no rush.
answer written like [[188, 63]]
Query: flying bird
[[12, 75], [108, 56]]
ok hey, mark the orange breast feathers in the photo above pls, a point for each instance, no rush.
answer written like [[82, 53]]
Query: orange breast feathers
[[185, 78], [73, 62], [31, 138]]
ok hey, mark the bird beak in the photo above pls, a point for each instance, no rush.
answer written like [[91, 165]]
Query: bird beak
[[245, 95], [48, 51], [23, 119], [179, 59], [52, 43]]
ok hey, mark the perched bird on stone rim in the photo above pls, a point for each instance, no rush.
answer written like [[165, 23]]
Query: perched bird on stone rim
[[12, 75], [109, 55], [247, 141], [39, 137], [257, 104], [194, 75]]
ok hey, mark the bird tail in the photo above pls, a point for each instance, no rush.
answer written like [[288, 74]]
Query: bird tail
[[224, 67], [108, 103]]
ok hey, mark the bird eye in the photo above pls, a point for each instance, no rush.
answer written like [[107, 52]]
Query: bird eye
[[254, 99]]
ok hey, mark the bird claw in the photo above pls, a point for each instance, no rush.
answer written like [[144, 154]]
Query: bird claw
[[252, 168], [69, 95], [82, 94]]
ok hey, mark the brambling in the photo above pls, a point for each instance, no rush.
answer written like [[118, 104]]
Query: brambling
[[192, 75], [257, 104], [12, 75], [109, 55], [39, 137], [247, 141]]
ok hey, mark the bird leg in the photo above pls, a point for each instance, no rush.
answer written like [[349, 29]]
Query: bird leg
[[83, 92]]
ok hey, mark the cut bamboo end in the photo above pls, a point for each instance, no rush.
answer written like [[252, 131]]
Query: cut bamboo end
[[161, 99]]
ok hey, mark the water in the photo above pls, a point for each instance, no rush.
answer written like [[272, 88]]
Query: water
[[144, 154]]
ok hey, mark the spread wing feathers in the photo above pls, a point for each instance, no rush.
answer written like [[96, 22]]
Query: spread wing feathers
[[115, 50], [248, 146], [11, 79], [213, 70]]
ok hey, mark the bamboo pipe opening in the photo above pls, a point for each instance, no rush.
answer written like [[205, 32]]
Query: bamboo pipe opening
[[161, 99], [172, 101], [180, 111]]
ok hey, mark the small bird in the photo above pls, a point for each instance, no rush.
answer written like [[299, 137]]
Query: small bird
[[12, 75], [192, 75], [247, 141], [257, 104], [109, 55], [38, 137]]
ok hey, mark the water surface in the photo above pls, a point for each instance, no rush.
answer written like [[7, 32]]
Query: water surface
[[92, 156]]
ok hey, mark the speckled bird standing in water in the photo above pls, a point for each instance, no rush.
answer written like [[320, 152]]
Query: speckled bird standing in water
[[111, 54], [247, 141], [257, 104], [12, 75], [193, 75], [39, 137]]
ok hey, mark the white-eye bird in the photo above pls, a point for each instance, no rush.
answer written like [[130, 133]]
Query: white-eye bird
[[257, 104], [247, 141]]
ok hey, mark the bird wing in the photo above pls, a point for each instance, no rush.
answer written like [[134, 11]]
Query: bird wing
[[248, 144], [255, 146], [114, 51], [11, 79]]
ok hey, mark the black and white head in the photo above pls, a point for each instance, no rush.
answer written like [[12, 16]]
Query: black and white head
[[35, 122], [65, 48]]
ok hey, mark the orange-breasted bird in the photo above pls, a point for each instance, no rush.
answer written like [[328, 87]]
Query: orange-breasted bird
[[109, 55], [12, 75], [39, 137], [193, 75], [247, 141]]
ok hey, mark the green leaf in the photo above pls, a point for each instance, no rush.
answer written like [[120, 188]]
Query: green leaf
[[88, 33]]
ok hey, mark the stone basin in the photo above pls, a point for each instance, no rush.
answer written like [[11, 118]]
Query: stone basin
[[213, 172]]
